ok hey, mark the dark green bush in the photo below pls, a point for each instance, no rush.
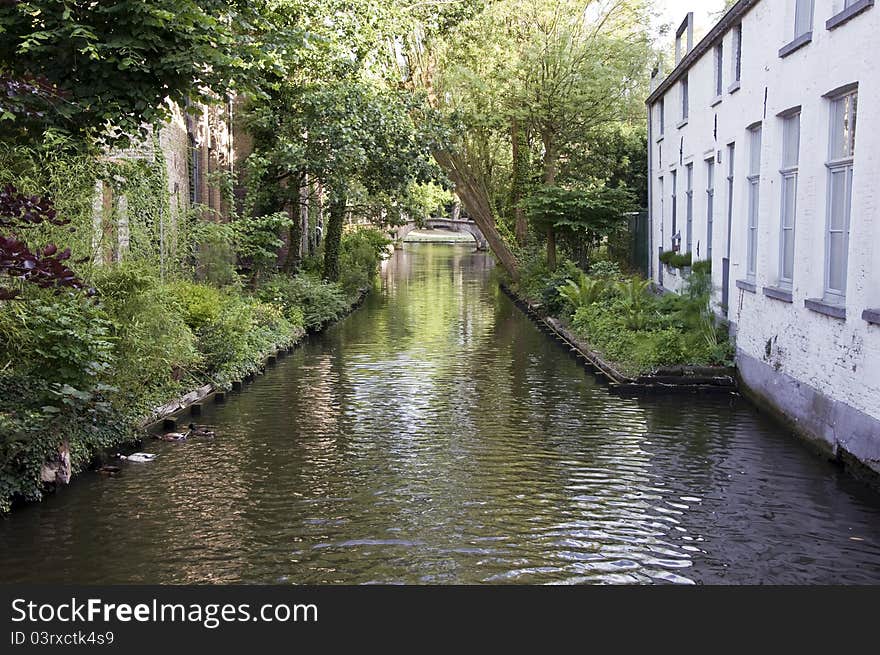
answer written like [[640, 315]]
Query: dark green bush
[[318, 301], [676, 260], [359, 257], [154, 347]]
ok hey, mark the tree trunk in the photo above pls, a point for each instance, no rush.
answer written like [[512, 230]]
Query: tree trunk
[[294, 233], [303, 216], [519, 147], [333, 236], [475, 197], [550, 160]]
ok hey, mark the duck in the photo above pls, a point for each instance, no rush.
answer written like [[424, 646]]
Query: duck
[[109, 469], [200, 431], [172, 436], [138, 457]]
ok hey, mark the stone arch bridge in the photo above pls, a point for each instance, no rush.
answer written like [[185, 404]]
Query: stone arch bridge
[[399, 233]]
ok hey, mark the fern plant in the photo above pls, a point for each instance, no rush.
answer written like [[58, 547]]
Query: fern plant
[[635, 301], [582, 292]]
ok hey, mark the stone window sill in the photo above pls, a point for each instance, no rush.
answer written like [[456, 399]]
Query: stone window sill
[[682, 123], [872, 316], [734, 87], [778, 293], [660, 138], [745, 285], [850, 12], [823, 307], [716, 101], [795, 45]]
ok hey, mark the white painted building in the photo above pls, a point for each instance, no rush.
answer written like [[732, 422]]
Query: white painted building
[[764, 157]]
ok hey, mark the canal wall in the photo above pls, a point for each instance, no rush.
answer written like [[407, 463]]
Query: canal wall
[[835, 428]]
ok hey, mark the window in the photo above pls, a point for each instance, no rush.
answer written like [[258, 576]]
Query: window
[[674, 207], [731, 154], [791, 136], [737, 54], [719, 75], [661, 117], [662, 214], [685, 102], [803, 17], [690, 206], [851, 9], [195, 171], [710, 204], [754, 198], [841, 150]]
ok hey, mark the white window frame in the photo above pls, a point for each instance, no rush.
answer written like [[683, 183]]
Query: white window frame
[[754, 196], [788, 172], [839, 165], [736, 55], [684, 90], [710, 204], [731, 187], [803, 17], [689, 207], [674, 205], [661, 115]]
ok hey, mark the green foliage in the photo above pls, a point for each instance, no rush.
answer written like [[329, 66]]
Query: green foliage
[[635, 302], [61, 339], [233, 332], [583, 291], [154, 346], [54, 353], [116, 63], [624, 321], [605, 269], [316, 302], [257, 239], [361, 252], [703, 266], [675, 260], [214, 250]]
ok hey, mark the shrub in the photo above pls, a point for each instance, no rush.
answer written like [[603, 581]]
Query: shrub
[[360, 254], [675, 260], [605, 269], [584, 291], [316, 302], [154, 346], [63, 339], [554, 304]]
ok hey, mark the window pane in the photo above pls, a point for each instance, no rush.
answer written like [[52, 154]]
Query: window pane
[[837, 219], [788, 254], [737, 52], [789, 191], [684, 98], [803, 20], [753, 227], [755, 152], [791, 129], [843, 126], [837, 261]]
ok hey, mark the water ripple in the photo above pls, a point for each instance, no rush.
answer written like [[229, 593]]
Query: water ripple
[[436, 436]]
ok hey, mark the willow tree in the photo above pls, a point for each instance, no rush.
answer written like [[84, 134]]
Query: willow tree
[[553, 70]]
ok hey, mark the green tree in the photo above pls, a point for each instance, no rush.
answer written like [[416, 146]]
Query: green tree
[[106, 68]]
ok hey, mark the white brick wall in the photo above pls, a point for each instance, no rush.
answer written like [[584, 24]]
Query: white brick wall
[[839, 358]]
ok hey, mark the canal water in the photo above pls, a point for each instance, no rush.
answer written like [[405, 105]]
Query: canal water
[[436, 436]]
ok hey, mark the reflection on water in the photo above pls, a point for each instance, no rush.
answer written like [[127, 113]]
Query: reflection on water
[[435, 436]]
